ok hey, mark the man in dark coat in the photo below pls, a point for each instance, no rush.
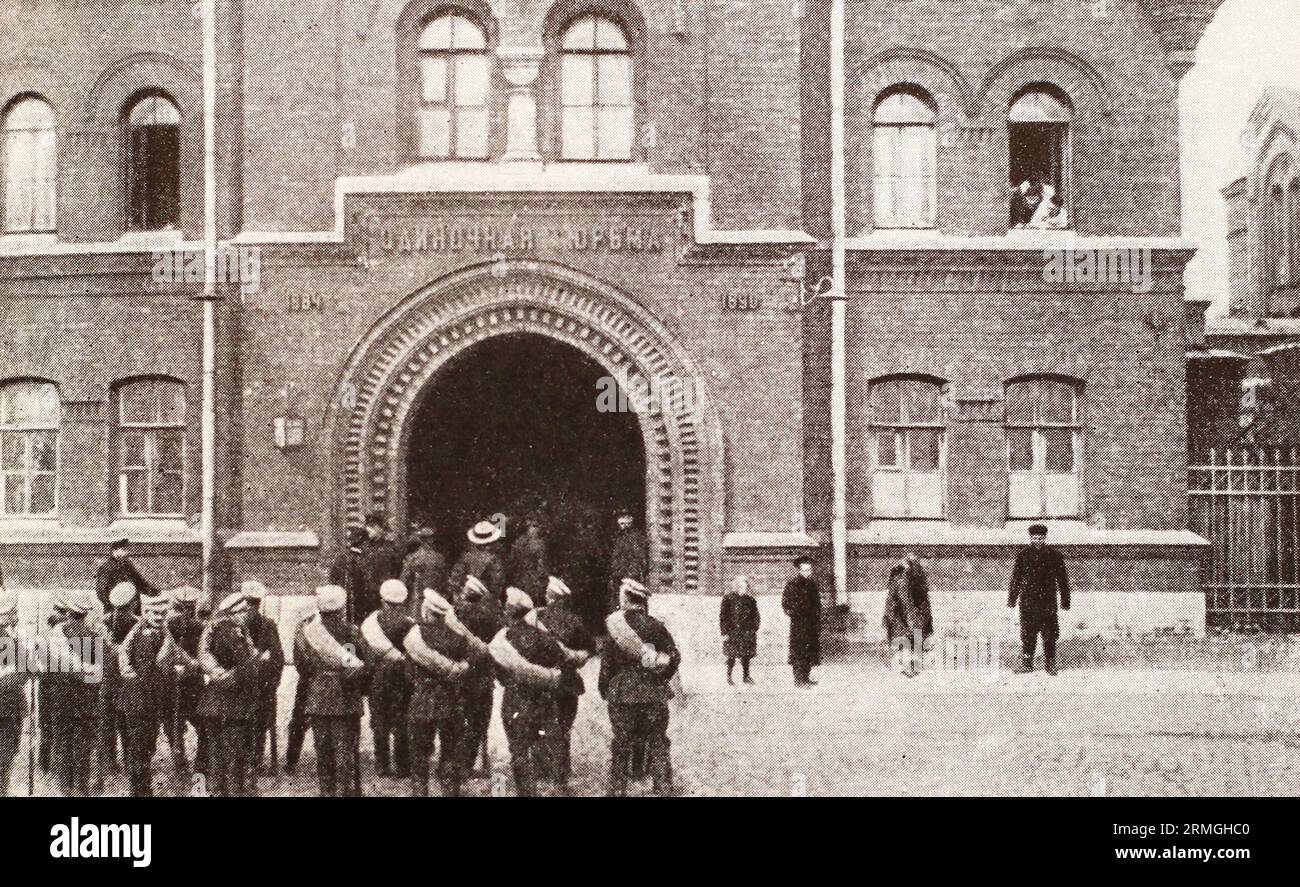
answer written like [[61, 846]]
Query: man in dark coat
[[73, 693], [562, 622], [390, 685], [265, 635], [635, 669], [334, 663], [117, 569], [478, 617], [482, 561], [739, 621], [1037, 578], [119, 619], [146, 658], [629, 557], [802, 602], [439, 662], [348, 571], [228, 704], [383, 561], [187, 631], [528, 565], [529, 665], [423, 568]]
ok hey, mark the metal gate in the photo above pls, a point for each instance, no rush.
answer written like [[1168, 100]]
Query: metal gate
[[1247, 503]]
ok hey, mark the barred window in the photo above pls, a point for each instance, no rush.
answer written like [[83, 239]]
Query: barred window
[[903, 152], [151, 447], [29, 448], [595, 91], [455, 84], [30, 167], [1043, 447], [908, 447], [153, 163]]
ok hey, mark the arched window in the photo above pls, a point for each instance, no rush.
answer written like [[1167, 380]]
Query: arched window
[[153, 163], [908, 448], [29, 448], [903, 149], [595, 91], [1293, 231], [30, 167], [1038, 137], [1043, 447], [454, 89], [151, 447]]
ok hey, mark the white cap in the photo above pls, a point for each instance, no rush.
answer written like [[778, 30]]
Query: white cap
[[633, 588], [435, 603], [555, 588], [121, 594], [251, 588], [515, 597], [393, 591], [232, 603], [331, 598]]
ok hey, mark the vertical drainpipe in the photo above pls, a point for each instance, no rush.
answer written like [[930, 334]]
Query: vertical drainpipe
[[839, 506], [209, 418]]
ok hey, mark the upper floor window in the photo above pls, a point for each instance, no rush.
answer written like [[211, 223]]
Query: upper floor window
[[903, 150], [1038, 136], [1277, 267], [151, 447], [1043, 447], [454, 89], [29, 448], [908, 448], [30, 167], [153, 163], [595, 91]]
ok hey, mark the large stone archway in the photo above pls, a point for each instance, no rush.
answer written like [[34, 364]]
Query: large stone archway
[[390, 367]]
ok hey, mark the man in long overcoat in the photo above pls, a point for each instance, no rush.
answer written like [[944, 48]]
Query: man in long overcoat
[[1038, 577], [802, 602]]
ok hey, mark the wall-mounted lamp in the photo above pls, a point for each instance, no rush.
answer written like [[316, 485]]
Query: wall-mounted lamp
[[290, 431]]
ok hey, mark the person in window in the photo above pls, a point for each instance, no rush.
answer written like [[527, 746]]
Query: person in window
[[118, 569], [802, 602], [1050, 214], [1039, 575], [1025, 199], [739, 620]]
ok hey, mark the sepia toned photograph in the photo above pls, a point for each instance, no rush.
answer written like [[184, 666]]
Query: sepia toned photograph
[[782, 398]]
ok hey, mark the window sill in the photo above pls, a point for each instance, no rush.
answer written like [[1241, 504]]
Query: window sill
[[48, 531], [931, 533]]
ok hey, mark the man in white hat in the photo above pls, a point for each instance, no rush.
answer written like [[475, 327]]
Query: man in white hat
[[390, 686], [635, 669], [440, 661], [265, 635], [13, 682], [145, 660], [530, 665], [561, 620], [479, 617], [228, 703], [119, 619], [482, 560], [332, 658], [74, 695]]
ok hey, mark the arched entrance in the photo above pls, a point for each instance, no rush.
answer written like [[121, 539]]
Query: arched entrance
[[393, 369], [513, 425]]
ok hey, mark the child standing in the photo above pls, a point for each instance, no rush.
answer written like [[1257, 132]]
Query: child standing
[[739, 622]]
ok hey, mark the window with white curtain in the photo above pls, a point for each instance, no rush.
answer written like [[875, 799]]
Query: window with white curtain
[[455, 84], [908, 448], [595, 91], [151, 447], [29, 448], [1044, 447], [903, 150], [30, 167]]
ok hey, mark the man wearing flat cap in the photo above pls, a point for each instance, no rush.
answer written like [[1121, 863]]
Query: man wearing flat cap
[[561, 621], [334, 661], [390, 685], [119, 568], [73, 694], [802, 602], [635, 670], [228, 705], [1038, 577], [265, 635], [439, 664], [482, 560], [629, 557], [349, 572], [383, 561], [423, 568]]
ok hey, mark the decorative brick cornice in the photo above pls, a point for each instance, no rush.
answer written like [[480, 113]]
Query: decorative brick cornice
[[1179, 24]]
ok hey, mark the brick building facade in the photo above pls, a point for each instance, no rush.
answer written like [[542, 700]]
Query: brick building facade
[[649, 187]]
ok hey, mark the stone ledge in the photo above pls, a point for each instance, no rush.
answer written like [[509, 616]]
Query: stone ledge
[[1016, 533], [138, 531], [273, 539], [759, 539]]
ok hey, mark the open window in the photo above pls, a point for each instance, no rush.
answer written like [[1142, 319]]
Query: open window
[[153, 163], [1038, 136]]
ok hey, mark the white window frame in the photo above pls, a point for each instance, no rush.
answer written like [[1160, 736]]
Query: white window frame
[[149, 432], [897, 490], [600, 25], [28, 432], [460, 45], [888, 143], [1037, 492], [40, 143]]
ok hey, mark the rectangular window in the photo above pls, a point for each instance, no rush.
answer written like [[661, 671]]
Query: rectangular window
[[151, 448], [908, 478], [1044, 437], [29, 449]]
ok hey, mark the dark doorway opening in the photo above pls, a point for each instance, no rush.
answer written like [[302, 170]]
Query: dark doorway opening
[[512, 427]]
